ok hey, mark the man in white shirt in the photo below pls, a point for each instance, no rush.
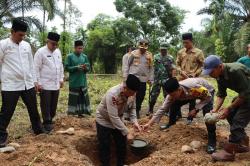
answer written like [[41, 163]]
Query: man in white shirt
[[125, 61], [49, 72], [18, 79]]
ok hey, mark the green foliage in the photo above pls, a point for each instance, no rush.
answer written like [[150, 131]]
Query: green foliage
[[4, 33], [229, 17], [203, 41], [242, 39], [108, 37], [101, 46], [72, 16], [81, 34], [66, 44], [156, 20], [103, 43], [220, 48], [9, 8], [126, 31]]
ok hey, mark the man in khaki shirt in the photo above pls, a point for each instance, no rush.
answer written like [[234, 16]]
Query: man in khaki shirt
[[189, 62], [140, 64], [189, 59], [109, 120]]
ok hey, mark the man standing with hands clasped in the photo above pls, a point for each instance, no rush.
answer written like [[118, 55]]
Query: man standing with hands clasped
[[50, 74], [77, 64]]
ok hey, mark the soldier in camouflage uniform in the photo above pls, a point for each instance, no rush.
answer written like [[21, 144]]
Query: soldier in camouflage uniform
[[163, 65]]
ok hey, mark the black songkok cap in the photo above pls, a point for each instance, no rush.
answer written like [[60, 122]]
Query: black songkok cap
[[132, 82], [53, 36], [171, 85], [187, 36], [19, 25], [78, 43]]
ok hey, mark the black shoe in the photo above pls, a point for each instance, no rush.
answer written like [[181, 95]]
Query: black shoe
[[48, 127], [189, 121], [178, 117], [80, 116], [167, 113], [40, 131], [138, 116], [3, 140], [166, 126], [71, 113], [211, 149], [149, 113]]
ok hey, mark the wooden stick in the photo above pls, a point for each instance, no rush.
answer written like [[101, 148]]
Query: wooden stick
[[35, 158]]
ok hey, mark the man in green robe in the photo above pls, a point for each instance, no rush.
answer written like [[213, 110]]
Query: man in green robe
[[77, 65]]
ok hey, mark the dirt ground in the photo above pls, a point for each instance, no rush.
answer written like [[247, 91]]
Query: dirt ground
[[80, 149]]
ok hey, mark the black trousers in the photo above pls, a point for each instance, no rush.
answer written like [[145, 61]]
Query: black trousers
[[9, 102], [192, 104], [238, 120], [207, 108], [48, 103], [104, 141], [140, 97]]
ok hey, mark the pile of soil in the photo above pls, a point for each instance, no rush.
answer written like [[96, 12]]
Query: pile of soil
[[80, 149]]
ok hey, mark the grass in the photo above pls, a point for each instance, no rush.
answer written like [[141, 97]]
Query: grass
[[98, 85]]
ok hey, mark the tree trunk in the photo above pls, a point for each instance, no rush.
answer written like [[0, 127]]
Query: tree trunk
[[43, 32], [23, 9], [64, 28]]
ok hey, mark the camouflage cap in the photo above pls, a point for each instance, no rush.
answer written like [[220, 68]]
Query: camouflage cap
[[164, 46]]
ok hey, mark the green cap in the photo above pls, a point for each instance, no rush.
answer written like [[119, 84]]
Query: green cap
[[164, 46]]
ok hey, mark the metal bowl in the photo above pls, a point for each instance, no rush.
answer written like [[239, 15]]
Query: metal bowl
[[139, 146]]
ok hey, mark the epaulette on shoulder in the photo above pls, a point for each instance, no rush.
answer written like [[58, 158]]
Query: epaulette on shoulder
[[149, 53], [135, 53], [181, 50], [170, 56]]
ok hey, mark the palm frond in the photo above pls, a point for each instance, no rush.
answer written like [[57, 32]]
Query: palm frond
[[205, 10], [242, 39]]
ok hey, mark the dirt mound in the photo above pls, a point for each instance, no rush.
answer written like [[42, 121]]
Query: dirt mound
[[81, 148]]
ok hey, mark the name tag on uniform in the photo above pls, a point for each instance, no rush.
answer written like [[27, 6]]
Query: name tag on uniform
[[49, 56]]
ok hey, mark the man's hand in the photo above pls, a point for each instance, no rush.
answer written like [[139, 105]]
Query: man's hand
[[38, 87], [191, 76], [214, 111], [224, 113], [184, 74], [61, 84], [150, 82], [145, 127], [193, 113], [94, 125], [84, 67], [137, 127], [130, 136]]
